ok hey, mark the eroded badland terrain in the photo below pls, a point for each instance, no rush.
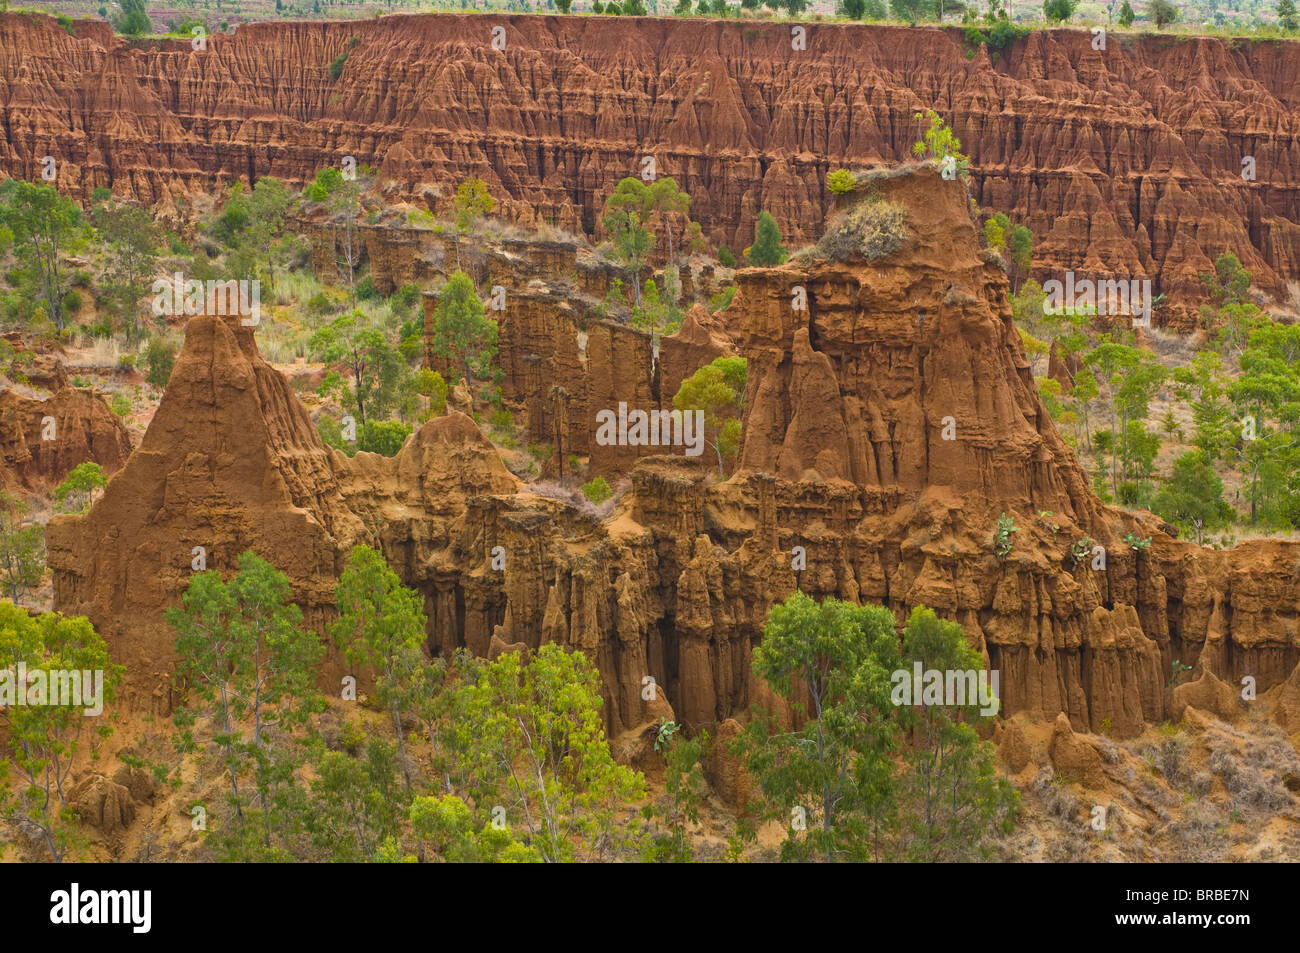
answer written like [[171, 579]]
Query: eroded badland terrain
[[1104, 505]]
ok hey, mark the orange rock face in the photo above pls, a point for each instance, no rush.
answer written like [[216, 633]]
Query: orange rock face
[[1119, 170], [42, 440], [887, 427]]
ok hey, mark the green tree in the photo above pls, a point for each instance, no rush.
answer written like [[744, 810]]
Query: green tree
[[1192, 497], [1286, 15], [41, 743], [384, 437], [1266, 397], [1126, 14], [75, 493], [22, 547], [907, 11], [684, 791], [374, 364], [597, 491], [1203, 388], [951, 798], [937, 141], [1020, 248], [831, 662], [44, 227], [446, 825], [767, 248], [624, 220], [1081, 397], [132, 20], [472, 202], [1232, 315], [159, 359], [431, 385], [1059, 11], [842, 180], [669, 205], [131, 240], [381, 624], [717, 389], [995, 230], [853, 9], [341, 197], [251, 667], [537, 748], [356, 804], [267, 233], [1128, 379], [462, 334], [1162, 12]]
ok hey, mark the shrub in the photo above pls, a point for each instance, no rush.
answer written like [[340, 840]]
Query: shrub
[[841, 181], [383, 436], [869, 230], [1004, 33], [722, 300], [725, 256], [502, 423], [1002, 538], [597, 491], [319, 304], [767, 249], [120, 405], [331, 434], [72, 302], [431, 385], [159, 359], [1058, 11]]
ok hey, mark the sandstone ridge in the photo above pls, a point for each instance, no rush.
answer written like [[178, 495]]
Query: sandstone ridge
[[1116, 169], [844, 454]]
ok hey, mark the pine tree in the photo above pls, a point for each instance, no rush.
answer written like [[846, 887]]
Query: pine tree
[[767, 248]]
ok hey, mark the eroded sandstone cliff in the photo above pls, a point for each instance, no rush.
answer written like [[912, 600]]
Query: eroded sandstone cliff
[[42, 440], [1124, 161], [887, 426]]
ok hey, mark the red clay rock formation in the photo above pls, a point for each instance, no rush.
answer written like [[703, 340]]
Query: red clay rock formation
[[42, 440], [844, 454], [1116, 170], [560, 377], [701, 338]]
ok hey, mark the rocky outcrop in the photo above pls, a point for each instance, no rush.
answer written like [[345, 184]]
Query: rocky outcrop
[[702, 338], [886, 429], [42, 440], [1116, 168], [562, 366]]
